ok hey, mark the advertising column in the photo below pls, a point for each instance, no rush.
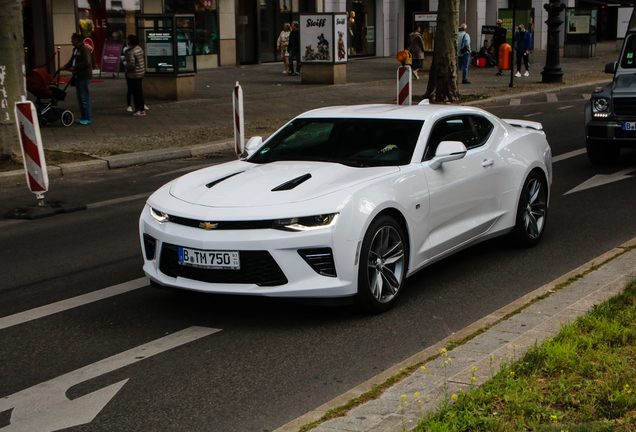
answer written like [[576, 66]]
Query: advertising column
[[323, 48]]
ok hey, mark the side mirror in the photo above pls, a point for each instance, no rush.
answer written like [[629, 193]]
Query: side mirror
[[253, 144], [447, 151], [610, 67]]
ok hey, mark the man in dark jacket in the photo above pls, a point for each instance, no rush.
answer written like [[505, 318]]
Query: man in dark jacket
[[82, 67], [524, 42], [498, 39], [294, 49]]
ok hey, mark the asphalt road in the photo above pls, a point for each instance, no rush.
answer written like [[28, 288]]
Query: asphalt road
[[272, 360]]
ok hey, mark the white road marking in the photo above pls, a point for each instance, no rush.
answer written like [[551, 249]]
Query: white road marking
[[45, 407], [119, 200], [566, 107], [602, 179], [551, 97], [586, 96], [533, 114], [53, 308], [568, 155], [515, 101]]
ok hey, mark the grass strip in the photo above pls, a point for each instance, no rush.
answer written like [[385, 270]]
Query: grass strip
[[581, 380], [378, 389]]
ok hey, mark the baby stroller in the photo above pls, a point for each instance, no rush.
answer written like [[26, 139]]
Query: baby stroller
[[42, 85]]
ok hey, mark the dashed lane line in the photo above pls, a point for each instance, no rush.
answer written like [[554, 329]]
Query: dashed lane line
[[551, 97], [568, 155], [64, 305], [515, 101], [565, 107], [533, 114]]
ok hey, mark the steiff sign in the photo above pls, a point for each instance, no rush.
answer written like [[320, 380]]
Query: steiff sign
[[323, 38]]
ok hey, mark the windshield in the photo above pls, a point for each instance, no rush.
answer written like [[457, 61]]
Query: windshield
[[628, 61], [353, 142]]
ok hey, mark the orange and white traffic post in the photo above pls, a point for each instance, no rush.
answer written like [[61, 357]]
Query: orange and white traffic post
[[32, 150], [404, 81], [239, 120]]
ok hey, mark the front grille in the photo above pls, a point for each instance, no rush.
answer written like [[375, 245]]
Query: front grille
[[257, 267], [620, 133], [624, 106], [225, 225], [597, 131]]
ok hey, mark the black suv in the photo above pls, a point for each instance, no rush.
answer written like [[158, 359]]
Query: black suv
[[610, 115]]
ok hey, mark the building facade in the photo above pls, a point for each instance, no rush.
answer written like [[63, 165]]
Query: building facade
[[234, 32]]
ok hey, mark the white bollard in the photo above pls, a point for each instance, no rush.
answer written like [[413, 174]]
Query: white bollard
[[239, 120]]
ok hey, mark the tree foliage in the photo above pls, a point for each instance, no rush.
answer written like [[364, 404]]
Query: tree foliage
[[442, 82]]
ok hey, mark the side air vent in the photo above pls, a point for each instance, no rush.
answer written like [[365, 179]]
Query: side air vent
[[292, 183], [216, 182], [321, 260]]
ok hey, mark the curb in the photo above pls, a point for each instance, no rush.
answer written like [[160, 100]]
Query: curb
[[422, 356], [121, 161]]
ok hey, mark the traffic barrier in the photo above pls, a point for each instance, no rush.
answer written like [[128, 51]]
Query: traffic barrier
[[404, 94], [239, 120], [32, 150]]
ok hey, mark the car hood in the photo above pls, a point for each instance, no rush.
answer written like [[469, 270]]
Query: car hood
[[244, 184], [625, 83]]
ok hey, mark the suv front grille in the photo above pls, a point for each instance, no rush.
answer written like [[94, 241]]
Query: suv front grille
[[624, 106], [257, 267]]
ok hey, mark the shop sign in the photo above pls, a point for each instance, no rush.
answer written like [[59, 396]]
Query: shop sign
[[578, 24], [111, 58], [370, 34], [426, 17]]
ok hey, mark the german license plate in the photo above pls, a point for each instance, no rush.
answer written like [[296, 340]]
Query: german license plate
[[226, 260], [629, 126]]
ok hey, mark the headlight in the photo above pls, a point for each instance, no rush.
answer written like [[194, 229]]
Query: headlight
[[600, 104], [159, 216], [306, 223]]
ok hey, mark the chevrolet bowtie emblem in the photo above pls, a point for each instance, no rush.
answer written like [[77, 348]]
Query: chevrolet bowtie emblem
[[208, 225]]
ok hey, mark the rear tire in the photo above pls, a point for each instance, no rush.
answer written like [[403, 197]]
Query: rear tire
[[67, 118], [532, 212], [42, 122], [601, 152], [383, 265]]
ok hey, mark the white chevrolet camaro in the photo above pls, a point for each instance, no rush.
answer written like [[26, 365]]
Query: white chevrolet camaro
[[348, 202]]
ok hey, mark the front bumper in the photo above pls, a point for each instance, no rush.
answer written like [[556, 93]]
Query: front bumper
[[266, 255]]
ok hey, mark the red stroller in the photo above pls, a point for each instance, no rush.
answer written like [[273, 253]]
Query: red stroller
[[42, 85]]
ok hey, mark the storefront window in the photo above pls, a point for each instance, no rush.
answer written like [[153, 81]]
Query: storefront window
[[273, 16], [106, 21], [205, 21], [361, 27]]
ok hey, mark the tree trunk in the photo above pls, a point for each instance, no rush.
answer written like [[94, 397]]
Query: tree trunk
[[442, 80], [12, 81]]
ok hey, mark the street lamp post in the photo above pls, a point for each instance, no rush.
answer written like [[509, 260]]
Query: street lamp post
[[552, 72]]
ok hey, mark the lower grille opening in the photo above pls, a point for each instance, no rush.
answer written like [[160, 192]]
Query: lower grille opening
[[150, 245], [257, 267], [597, 131], [320, 260]]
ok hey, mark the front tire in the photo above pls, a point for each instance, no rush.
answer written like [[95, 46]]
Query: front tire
[[601, 152], [532, 211], [383, 265]]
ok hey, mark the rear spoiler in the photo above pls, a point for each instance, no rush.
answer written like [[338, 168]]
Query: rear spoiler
[[524, 124]]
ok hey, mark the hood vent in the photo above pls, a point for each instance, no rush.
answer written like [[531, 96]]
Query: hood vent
[[216, 182], [292, 183]]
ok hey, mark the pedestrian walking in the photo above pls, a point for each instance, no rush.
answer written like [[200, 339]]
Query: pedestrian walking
[[282, 44], [82, 67], [463, 51], [524, 41], [498, 39], [294, 49], [416, 47], [135, 71]]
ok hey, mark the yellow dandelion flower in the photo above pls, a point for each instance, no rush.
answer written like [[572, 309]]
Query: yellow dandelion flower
[[473, 378], [420, 402], [512, 374], [454, 397], [403, 396], [423, 368], [416, 395]]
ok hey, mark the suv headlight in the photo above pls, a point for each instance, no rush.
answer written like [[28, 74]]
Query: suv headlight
[[601, 105], [306, 223]]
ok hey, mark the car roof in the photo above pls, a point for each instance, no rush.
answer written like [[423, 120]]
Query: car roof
[[386, 111]]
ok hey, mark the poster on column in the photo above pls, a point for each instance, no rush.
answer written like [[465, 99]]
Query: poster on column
[[340, 31], [316, 38]]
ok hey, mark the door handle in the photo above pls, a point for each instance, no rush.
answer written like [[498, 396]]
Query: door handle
[[487, 162]]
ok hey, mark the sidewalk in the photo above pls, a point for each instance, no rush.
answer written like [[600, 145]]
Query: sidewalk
[[271, 99], [506, 341]]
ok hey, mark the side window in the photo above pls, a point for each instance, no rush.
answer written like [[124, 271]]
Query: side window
[[482, 128], [472, 130], [629, 60]]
